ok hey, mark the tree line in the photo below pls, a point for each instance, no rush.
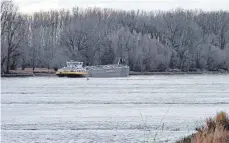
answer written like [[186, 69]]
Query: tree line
[[184, 40]]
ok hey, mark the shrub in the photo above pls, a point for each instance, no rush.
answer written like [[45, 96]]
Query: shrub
[[222, 118], [211, 124], [215, 131]]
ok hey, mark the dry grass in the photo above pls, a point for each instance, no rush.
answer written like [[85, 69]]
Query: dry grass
[[30, 70], [215, 131]]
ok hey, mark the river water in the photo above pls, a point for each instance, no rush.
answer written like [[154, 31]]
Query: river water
[[105, 110]]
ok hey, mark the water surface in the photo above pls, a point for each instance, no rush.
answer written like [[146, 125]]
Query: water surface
[[133, 109]]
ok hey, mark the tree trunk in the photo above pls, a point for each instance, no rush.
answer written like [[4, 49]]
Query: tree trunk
[[33, 66], [8, 64]]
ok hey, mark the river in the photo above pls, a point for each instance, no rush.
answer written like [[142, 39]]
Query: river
[[161, 108]]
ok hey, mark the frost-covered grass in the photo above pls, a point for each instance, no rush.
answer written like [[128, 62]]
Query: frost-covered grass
[[216, 130]]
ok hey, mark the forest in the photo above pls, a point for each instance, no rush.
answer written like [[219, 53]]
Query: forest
[[175, 40]]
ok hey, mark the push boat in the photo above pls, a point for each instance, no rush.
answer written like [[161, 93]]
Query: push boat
[[76, 69], [73, 69]]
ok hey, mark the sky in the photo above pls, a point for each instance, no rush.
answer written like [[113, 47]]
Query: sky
[[29, 6]]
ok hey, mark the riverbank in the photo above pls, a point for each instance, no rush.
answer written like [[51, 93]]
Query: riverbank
[[163, 73], [28, 72], [178, 73], [216, 130]]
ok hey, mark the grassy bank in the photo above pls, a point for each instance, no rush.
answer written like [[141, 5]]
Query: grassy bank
[[28, 72], [50, 72], [216, 130], [178, 72]]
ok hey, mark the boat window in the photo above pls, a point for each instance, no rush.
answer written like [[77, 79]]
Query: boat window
[[74, 64]]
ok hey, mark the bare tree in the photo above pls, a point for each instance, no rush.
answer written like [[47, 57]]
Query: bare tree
[[155, 41], [12, 34]]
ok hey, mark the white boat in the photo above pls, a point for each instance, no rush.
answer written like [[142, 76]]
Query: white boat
[[73, 69]]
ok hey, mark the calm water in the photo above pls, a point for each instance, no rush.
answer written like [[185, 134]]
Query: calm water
[[133, 109]]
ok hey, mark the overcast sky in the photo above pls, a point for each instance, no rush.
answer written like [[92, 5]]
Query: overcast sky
[[207, 5]]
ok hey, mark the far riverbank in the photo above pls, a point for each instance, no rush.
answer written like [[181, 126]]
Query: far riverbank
[[31, 74]]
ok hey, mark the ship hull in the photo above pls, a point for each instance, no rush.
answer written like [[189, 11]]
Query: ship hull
[[108, 71], [71, 74]]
